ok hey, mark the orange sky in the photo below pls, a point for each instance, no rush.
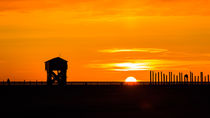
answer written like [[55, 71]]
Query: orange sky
[[103, 40]]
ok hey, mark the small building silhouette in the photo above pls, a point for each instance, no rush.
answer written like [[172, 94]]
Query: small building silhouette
[[186, 78], [56, 71], [8, 81]]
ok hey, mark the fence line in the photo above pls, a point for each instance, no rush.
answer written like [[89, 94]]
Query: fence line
[[180, 78]]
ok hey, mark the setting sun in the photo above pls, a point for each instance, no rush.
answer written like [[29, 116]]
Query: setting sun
[[130, 79]]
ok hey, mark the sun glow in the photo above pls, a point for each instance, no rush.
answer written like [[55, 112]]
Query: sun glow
[[128, 65]]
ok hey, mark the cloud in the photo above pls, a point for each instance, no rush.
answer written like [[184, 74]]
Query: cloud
[[149, 64], [148, 50]]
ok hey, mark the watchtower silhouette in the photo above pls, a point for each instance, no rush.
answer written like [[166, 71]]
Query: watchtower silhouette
[[56, 71]]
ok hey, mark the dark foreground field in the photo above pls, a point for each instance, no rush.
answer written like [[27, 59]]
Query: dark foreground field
[[105, 101]]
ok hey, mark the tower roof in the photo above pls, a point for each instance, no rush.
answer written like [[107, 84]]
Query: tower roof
[[57, 59]]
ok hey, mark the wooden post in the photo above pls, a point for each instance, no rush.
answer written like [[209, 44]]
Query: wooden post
[[155, 77], [150, 76], [191, 77], [201, 74], [169, 77], [182, 77]]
